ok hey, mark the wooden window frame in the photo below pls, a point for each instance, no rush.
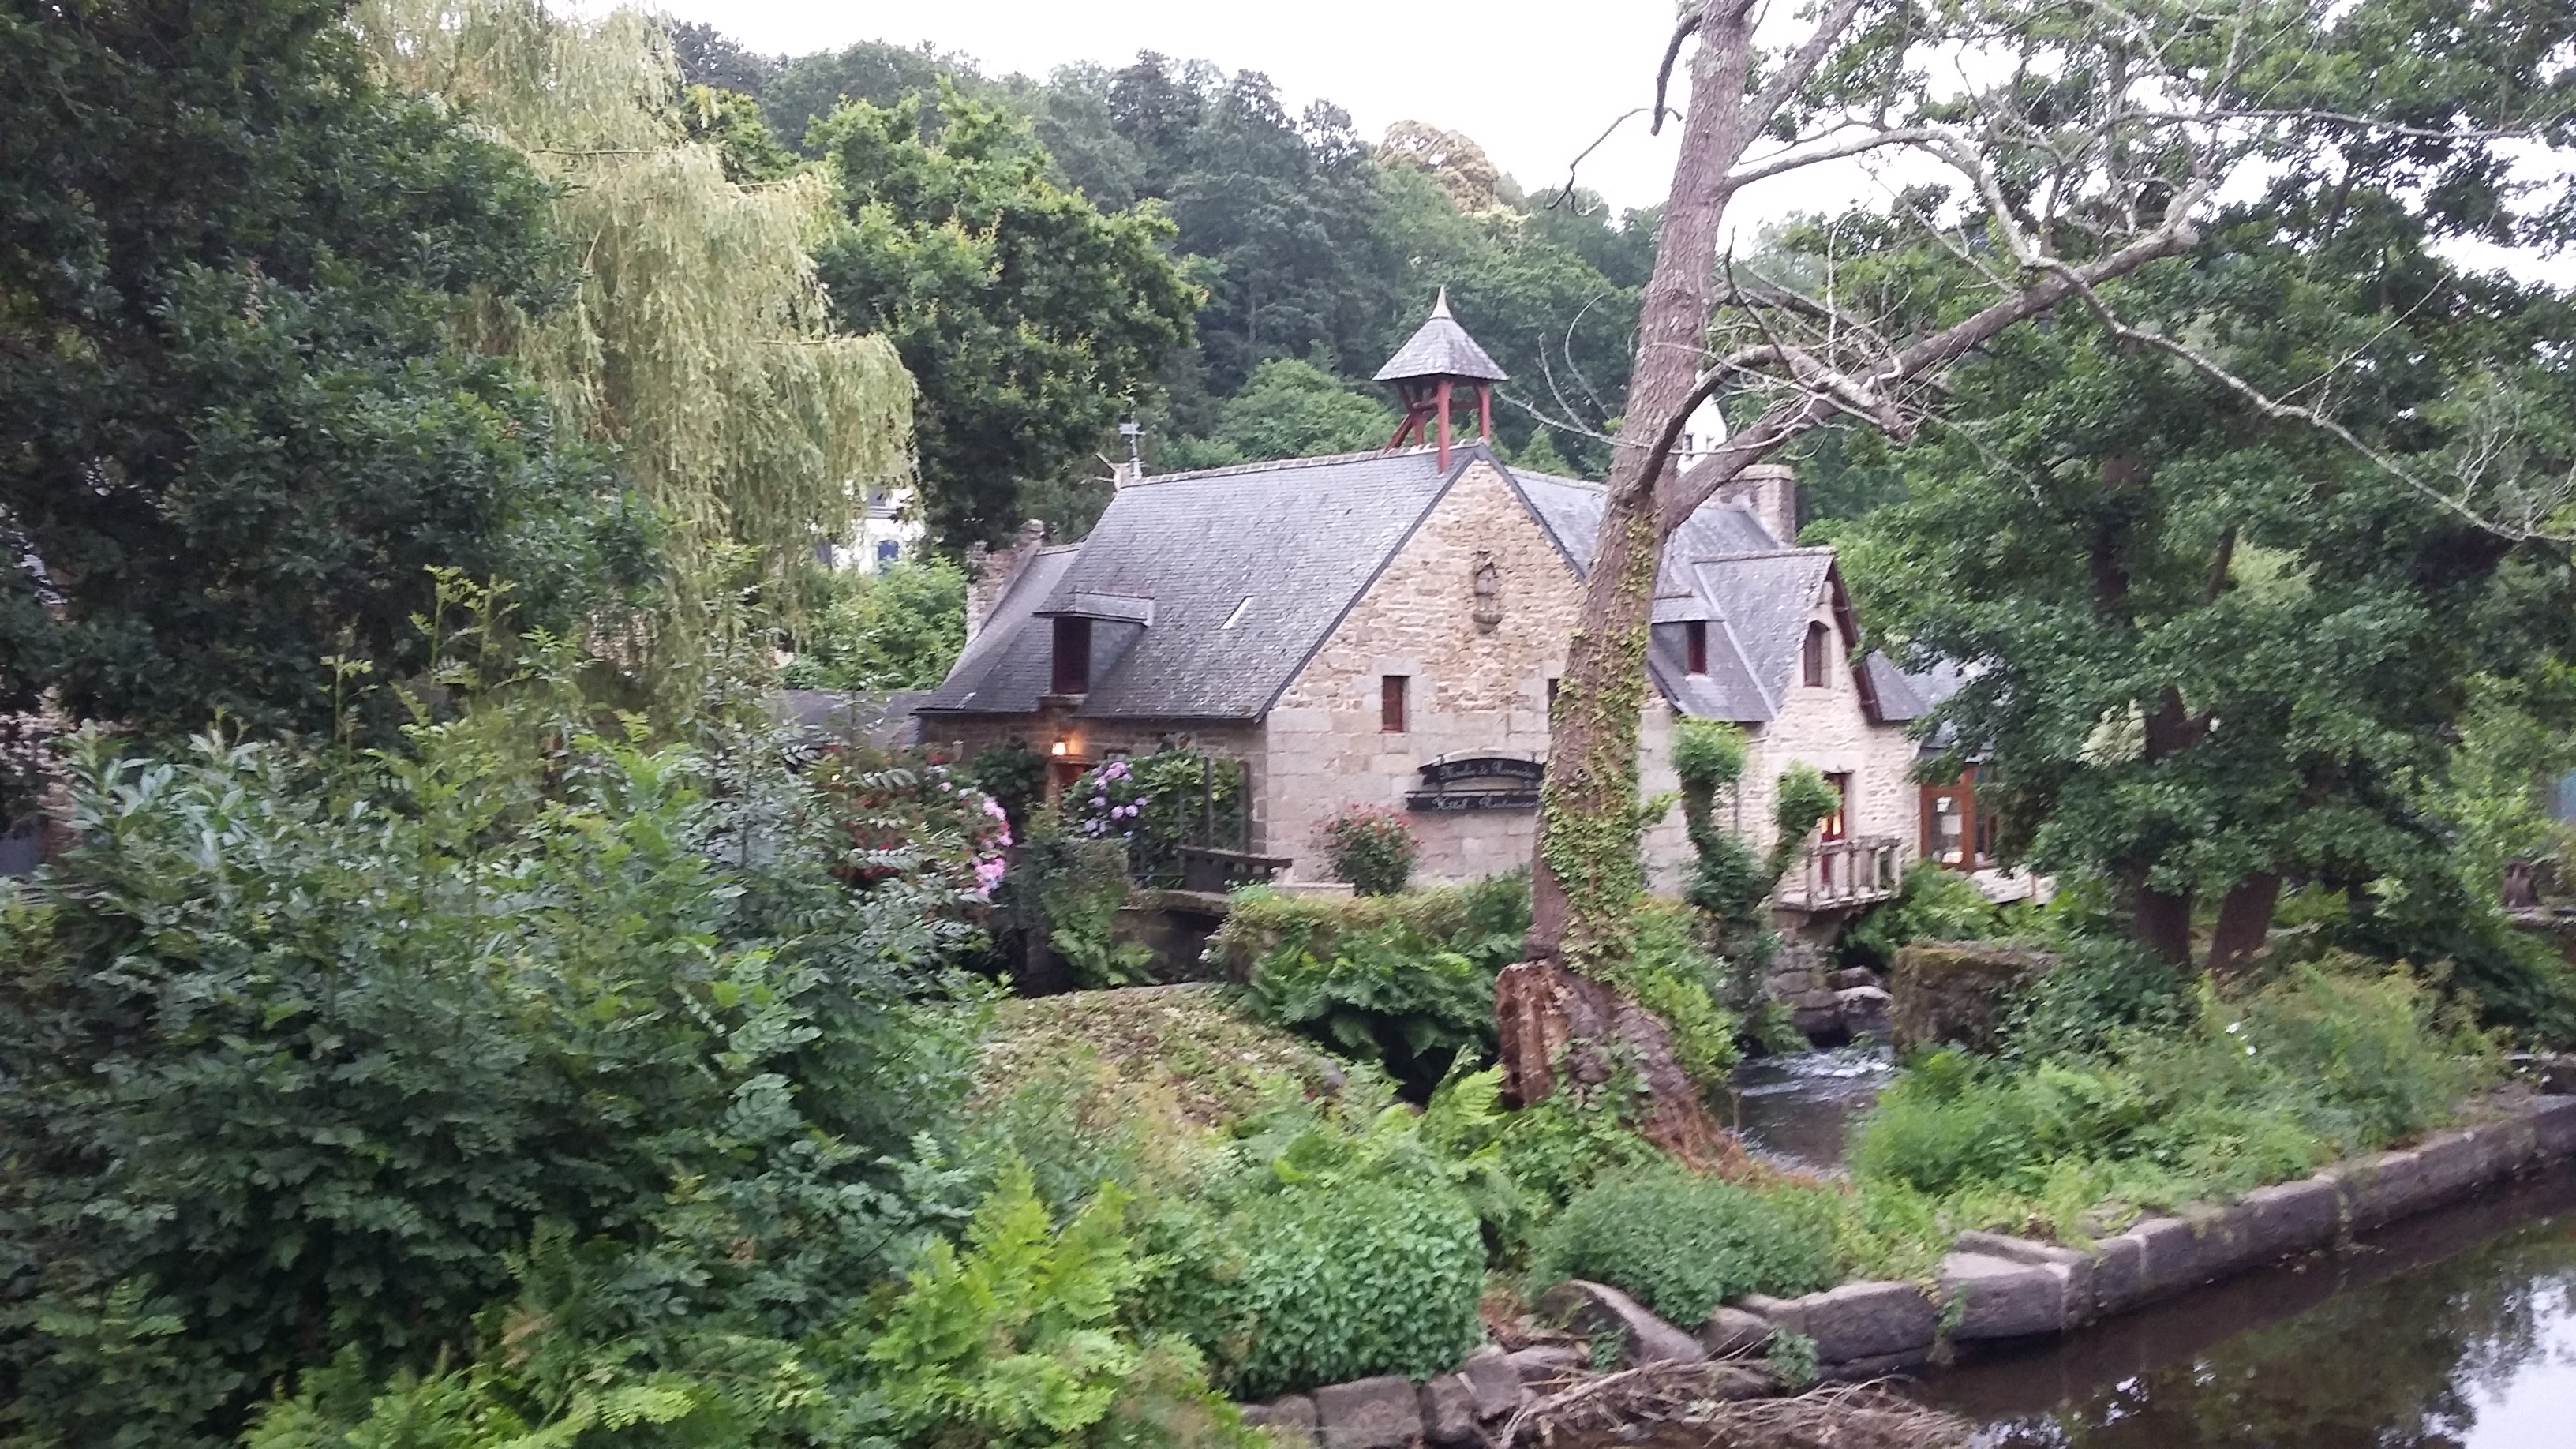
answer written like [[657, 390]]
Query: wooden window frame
[[1070, 668], [1394, 703], [1695, 646], [1819, 643], [1837, 824]]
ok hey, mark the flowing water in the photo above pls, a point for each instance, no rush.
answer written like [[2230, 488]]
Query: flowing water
[[1797, 1108]]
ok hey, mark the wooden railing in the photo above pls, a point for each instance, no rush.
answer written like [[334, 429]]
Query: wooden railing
[[1839, 873]]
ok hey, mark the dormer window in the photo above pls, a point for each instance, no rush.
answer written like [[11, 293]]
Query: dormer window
[[1072, 674], [1695, 645], [1820, 644]]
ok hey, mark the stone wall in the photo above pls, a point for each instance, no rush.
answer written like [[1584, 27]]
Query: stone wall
[[1828, 728], [1474, 689]]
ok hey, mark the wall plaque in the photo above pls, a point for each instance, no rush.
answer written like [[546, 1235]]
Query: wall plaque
[[1478, 782]]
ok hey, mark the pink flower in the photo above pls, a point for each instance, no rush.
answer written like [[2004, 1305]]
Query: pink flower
[[988, 874]]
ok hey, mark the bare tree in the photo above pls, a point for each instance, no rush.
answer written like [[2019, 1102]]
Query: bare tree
[[2073, 143]]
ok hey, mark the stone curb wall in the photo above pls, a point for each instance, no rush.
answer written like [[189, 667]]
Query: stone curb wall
[[1989, 1287]]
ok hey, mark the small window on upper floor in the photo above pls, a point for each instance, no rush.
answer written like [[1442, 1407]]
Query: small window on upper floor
[[1820, 644], [1391, 690], [1695, 646], [1072, 674]]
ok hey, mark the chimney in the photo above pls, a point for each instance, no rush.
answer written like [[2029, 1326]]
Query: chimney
[[989, 574], [1770, 492]]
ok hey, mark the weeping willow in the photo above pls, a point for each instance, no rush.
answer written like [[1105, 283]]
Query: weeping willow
[[695, 340]]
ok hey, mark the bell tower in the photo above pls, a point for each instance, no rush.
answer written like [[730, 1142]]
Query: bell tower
[[1427, 372]]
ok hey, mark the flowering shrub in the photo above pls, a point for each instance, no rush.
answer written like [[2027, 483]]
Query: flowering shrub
[[906, 814], [1371, 847], [1106, 801]]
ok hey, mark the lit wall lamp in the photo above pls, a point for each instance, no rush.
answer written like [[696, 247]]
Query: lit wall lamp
[[1059, 749]]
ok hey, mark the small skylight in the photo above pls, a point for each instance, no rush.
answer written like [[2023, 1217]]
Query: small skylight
[[1237, 614]]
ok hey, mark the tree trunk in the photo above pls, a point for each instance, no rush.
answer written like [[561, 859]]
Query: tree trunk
[[1586, 875], [2244, 921], [1562, 1031], [2161, 921]]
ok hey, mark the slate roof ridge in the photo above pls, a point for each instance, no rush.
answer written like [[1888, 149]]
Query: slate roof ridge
[[1281, 465], [1786, 550]]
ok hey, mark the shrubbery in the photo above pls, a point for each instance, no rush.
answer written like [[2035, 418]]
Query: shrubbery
[[1370, 847], [1155, 803], [2318, 1065], [1685, 1243], [1933, 903], [300, 1051], [1406, 981]]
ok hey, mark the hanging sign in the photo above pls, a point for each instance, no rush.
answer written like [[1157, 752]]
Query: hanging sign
[[1478, 782]]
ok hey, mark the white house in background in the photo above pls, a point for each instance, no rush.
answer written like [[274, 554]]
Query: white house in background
[[887, 530]]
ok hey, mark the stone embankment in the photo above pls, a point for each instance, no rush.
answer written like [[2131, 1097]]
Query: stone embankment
[[1989, 1287]]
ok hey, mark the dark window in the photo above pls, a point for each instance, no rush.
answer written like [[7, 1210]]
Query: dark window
[[1072, 656], [1551, 695], [1695, 646], [1838, 824], [1390, 703], [1820, 642]]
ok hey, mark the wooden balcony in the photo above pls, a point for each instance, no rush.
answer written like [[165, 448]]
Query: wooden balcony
[[1842, 874]]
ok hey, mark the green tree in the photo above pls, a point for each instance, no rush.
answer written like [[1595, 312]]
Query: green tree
[[1030, 318], [695, 337], [897, 629], [234, 432], [1292, 409]]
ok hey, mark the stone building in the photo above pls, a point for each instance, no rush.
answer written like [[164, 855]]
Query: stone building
[[1387, 629]]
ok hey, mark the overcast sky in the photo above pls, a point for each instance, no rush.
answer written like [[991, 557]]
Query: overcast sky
[[1533, 83]]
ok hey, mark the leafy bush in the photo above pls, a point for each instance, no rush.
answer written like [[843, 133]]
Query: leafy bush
[[1156, 803], [1932, 904], [298, 1052], [1684, 1243], [898, 808], [1014, 775], [1390, 997], [2318, 1065], [1371, 847], [1406, 981], [2102, 988], [1323, 1254], [1011, 1341], [1077, 886], [896, 628]]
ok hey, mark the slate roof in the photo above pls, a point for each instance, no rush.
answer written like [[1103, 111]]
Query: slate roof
[[1722, 566], [1249, 568], [1441, 348]]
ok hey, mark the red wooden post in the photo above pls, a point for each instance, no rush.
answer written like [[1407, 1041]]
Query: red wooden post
[[1444, 425], [1485, 411]]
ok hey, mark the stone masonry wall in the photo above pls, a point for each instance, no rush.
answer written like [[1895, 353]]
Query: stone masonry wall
[[1473, 690], [1827, 728]]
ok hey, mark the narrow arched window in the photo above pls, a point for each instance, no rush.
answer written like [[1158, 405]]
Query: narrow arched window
[[1820, 642]]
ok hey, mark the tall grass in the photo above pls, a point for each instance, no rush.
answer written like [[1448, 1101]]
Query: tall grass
[[2320, 1064]]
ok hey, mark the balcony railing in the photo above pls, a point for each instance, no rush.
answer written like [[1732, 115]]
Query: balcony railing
[[1837, 874]]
